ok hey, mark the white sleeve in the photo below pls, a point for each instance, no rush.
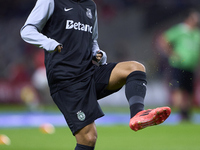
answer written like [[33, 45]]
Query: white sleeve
[[95, 47], [95, 50], [34, 24]]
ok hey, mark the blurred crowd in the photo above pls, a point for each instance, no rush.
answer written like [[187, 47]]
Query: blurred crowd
[[21, 64]]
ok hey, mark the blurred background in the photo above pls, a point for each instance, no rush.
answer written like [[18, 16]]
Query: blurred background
[[128, 30]]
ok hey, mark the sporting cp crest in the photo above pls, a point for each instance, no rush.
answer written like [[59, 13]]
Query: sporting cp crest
[[89, 13], [81, 115]]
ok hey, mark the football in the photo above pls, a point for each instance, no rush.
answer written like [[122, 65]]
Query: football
[[47, 128], [4, 140]]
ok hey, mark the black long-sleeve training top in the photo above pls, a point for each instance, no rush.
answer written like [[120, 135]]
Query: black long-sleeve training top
[[72, 24]]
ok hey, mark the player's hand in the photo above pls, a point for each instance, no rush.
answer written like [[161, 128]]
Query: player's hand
[[58, 48], [99, 55]]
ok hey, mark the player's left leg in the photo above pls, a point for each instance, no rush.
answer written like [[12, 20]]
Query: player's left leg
[[133, 75], [121, 71]]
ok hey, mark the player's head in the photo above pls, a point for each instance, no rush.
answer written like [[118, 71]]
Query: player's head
[[192, 17]]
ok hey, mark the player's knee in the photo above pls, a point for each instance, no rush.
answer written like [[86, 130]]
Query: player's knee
[[91, 139], [136, 66], [87, 135], [87, 139]]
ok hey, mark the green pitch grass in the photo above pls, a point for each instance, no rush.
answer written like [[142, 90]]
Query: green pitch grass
[[161, 137]]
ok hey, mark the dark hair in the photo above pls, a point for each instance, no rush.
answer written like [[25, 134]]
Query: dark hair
[[189, 11]]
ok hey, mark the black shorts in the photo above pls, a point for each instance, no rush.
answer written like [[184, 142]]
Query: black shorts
[[78, 102], [182, 79]]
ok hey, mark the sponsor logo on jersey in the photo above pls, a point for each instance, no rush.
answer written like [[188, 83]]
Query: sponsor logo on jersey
[[78, 26], [81, 115], [89, 13]]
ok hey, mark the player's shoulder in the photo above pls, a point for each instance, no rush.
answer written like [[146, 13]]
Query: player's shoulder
[[91, 2], [176, 28], [45, 1], [43, 4]]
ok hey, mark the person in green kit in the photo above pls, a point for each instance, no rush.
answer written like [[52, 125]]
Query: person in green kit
[[181, 43]]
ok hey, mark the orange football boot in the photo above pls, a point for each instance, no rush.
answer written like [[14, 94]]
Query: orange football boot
[[149, 117]]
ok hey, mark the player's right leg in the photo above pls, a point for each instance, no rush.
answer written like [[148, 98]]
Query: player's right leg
[[86, 137], [79, 105]]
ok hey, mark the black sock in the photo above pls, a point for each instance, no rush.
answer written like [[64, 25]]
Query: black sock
[[83, 147], [135, 91]]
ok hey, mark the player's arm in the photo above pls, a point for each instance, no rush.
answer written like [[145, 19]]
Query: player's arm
[[165, 45], [31, 31], [98, 55], [169, 38]]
